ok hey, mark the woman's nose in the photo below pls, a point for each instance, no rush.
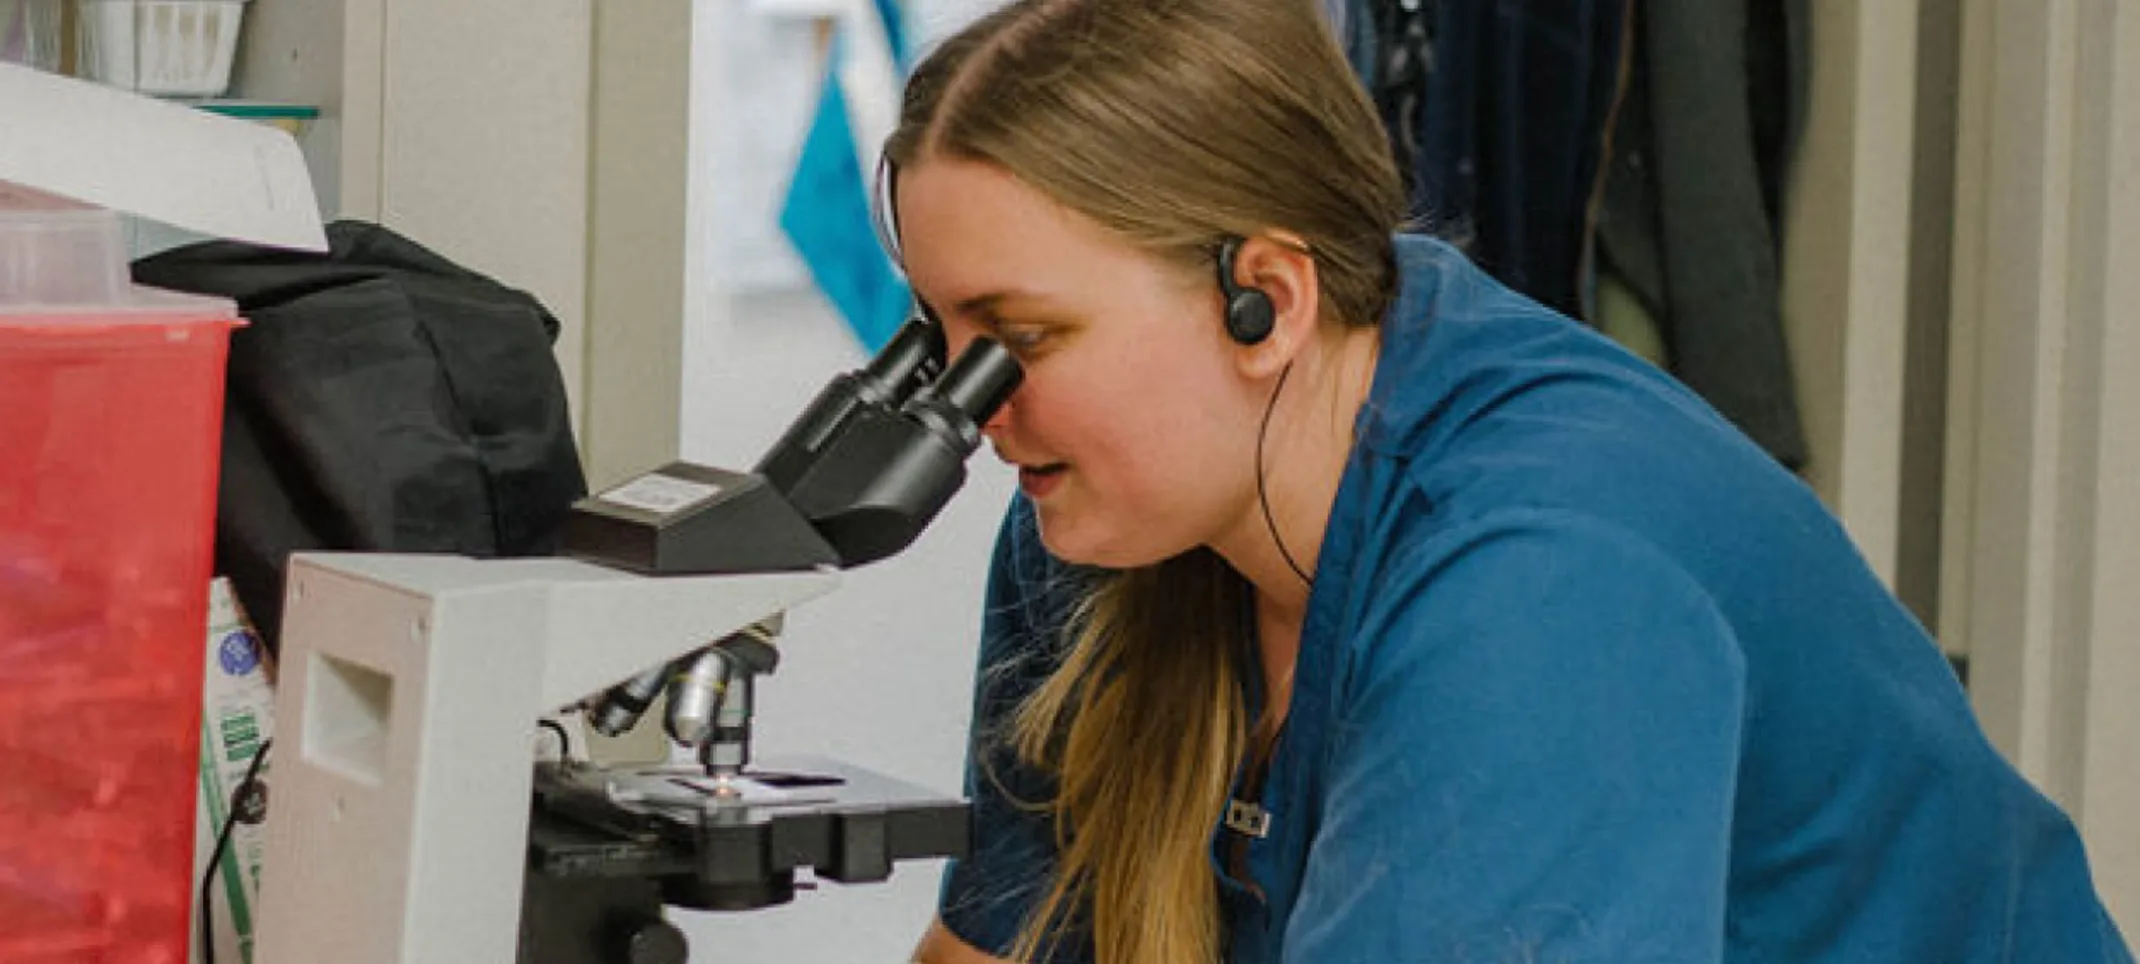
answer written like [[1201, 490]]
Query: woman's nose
[[957, 338]]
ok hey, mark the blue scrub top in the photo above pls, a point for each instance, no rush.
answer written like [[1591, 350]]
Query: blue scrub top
[[1585, 677]]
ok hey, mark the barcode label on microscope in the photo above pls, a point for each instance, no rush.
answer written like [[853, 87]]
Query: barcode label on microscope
[[660, 494]]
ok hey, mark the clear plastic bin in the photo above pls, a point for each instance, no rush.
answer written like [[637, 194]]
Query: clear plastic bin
[[110, 423], [54, 252]]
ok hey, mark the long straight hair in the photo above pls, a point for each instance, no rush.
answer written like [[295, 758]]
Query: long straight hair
[[1173, 124]]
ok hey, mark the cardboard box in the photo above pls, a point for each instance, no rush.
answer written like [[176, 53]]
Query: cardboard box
[[237, 720]]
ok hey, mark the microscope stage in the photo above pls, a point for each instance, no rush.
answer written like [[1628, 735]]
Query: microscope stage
[[736, 843]]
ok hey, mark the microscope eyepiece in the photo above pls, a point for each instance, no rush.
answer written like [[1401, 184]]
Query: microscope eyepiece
[[912, 359], [981, 381], [906, 366], [969, 393]]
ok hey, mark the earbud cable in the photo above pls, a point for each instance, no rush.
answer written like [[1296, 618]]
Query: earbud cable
[[1262, 493]]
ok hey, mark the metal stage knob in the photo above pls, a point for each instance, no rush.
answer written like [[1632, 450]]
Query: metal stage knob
[[653, 941]]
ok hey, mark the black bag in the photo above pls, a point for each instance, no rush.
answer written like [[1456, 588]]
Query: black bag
[[381, 399]]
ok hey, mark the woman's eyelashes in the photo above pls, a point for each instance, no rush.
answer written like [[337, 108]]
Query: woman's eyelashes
[[1022, 339]]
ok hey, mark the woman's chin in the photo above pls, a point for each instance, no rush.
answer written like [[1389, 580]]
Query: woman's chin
[[1084, 545], [1064, 546]]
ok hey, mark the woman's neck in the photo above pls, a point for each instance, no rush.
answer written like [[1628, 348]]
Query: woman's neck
[[1304, 451]]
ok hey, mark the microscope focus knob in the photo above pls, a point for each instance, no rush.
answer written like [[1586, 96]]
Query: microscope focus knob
[[653, 941]]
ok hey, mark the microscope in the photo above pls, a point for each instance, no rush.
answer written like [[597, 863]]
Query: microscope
[[411, 822]]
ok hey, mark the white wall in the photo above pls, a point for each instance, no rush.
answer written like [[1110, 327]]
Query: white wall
[[879, 674]]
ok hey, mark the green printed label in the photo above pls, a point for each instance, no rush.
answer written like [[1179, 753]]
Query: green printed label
[[241, 737]]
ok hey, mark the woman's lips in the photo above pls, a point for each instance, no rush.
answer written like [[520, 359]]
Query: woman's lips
[[1038, 481]]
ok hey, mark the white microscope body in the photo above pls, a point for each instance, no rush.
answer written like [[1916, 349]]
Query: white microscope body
[[403, 784], [410, 690]]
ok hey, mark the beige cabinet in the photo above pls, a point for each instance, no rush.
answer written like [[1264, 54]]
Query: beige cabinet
[[543, 142]]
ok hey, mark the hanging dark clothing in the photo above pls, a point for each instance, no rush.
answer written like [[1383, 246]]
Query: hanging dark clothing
[[1503, 113], [1508, 132], [1692, 210]]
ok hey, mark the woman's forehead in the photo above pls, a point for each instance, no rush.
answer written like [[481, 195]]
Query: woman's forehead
[[969, 209], [968, 231]]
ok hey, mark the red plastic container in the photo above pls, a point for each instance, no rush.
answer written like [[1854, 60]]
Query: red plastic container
[[110, 423]]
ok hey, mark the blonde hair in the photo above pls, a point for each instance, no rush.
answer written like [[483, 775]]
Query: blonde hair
[[1174, 124]]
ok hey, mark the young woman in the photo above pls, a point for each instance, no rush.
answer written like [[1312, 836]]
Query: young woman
[[1359, 609]]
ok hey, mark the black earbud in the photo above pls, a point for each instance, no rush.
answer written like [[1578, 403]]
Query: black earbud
[[1249, 313]]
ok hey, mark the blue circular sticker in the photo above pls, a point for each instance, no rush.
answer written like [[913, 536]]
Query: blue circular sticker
[[238, 653]]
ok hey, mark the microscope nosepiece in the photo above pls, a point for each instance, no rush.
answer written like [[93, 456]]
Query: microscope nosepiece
[[619, 709]]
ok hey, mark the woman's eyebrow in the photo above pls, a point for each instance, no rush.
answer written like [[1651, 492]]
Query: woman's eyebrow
[[987, 304], [982, 309]]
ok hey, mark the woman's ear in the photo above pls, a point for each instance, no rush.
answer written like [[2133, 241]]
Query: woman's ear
[[1281, 266]]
